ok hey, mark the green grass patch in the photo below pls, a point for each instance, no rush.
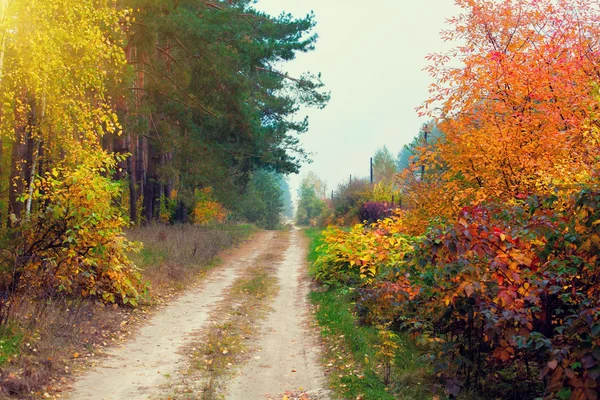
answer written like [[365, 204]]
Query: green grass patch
[[315, 236], [350, 349], [259, 285], [353, 354], [10, 342], [149, 256]]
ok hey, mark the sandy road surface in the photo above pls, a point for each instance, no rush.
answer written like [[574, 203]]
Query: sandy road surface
[[287, 352], [138, 369], [287, 357]]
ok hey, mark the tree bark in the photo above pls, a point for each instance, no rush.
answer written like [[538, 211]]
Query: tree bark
[[132, 182], [20, 164], [151, 187]]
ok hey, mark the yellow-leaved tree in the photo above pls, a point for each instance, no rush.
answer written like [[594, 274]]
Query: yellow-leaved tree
[[63, 224]]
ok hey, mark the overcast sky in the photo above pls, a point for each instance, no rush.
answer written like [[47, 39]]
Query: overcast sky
[[371, 56]]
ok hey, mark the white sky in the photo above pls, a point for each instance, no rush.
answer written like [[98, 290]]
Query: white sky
[[371, 55]]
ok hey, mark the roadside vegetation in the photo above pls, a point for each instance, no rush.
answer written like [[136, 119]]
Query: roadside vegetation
[[489, 261], [361, 360], [46, 340]]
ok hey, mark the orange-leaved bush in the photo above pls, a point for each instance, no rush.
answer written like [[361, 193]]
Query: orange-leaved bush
[[207, 210]]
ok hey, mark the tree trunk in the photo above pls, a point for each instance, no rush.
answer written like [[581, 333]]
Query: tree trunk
[[20, 164], [181, 212], [132, 182], [151, 187]]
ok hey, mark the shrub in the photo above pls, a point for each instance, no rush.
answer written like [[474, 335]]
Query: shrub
[[74, 242], [372, 212], [502, 291], [360, 254], [348, 199], [207, 210]]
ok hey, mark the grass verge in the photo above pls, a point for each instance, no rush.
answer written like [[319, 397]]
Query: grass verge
[[353, 358], [175, 255]]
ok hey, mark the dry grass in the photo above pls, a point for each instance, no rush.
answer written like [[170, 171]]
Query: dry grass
[[45, 341], [56, 336], [174, 255]]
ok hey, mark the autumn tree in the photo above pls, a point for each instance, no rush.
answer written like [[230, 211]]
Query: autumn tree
[[384, 166], [64, 230], [514, 100], [55, 79]]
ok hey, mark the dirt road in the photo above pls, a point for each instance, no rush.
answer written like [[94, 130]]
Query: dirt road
[[287, 354], [287, 357]]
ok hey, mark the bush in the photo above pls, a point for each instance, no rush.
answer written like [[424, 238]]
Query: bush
[[501, 292], [372, 212], [359, 201], [348, 199], [74, 243], [514, 289], [207, 210], [359, 255]]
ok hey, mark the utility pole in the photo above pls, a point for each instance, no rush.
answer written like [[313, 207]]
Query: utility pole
[[371, 170], [426, 131]]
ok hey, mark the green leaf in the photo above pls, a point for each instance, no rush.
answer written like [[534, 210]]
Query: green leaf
[[564, 394]]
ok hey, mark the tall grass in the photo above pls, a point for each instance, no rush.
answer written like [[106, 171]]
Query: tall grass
[[173, 254]]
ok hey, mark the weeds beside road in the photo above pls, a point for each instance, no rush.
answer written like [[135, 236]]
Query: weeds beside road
[[353, 357]]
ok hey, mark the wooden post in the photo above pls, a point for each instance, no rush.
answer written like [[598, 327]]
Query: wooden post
[[425, 133]]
